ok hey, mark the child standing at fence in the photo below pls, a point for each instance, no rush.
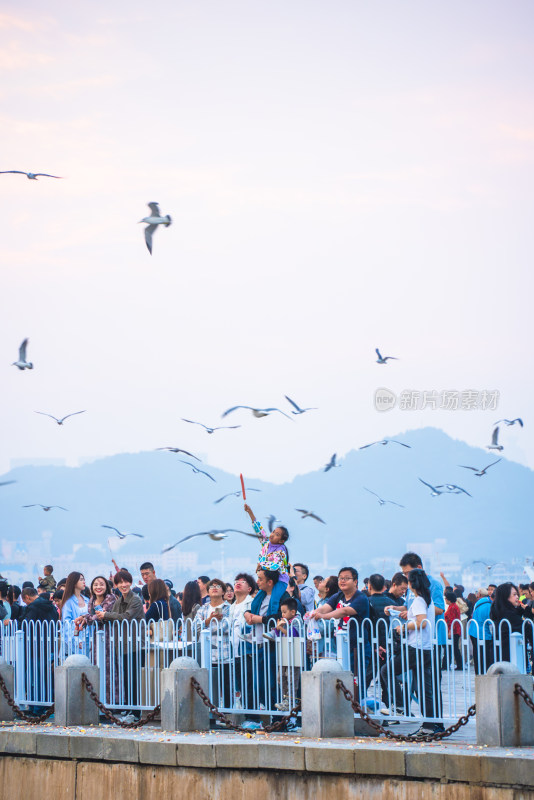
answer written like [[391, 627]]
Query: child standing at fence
[[273, 555], [288, 626]]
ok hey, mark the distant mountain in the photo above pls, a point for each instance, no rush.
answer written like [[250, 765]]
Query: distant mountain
[[156, 495]]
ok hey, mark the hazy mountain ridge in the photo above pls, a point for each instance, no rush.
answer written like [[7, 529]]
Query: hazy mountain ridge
[[154, 494]]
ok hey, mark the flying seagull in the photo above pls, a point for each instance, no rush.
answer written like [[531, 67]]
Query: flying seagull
[[479, 472], [453, 489], [385, 359], [45, 508], [384, 441], [31, 175], [298, 409], [494, 441], [309, 514], [6, 483], [211, 430], [22, 363], [271, 519], [489, 566], [179, 450], [380, 500], [153, 221], [196, 470], [62, 420], [434, 491], [510, 421], [331, 463], [215, 536], [234, 494], [257, 412], [122, 535]]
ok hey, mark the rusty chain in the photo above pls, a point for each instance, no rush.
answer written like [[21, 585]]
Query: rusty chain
[[518, 690], [227, 722], [429, 737], [110, 715], [23, 714]]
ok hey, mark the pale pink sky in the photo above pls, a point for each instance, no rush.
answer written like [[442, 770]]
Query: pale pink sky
[[341, 176]]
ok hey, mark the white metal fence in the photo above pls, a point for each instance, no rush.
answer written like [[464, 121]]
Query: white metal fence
[[257, 671]]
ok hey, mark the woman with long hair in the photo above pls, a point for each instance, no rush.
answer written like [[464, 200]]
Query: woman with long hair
[[415, 654], [73, 603], [158, 608], [294, 591], [507, 613], [102, 599], [191, 601]]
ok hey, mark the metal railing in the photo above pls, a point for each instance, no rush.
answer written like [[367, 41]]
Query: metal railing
[[256, 671]]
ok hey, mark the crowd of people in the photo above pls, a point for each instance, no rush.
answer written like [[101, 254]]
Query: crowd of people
[[424, 612]]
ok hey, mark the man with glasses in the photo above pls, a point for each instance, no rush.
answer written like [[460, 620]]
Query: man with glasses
[[347, 603]]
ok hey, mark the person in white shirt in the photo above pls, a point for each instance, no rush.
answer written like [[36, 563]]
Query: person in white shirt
[[418, 633], [244, 587]]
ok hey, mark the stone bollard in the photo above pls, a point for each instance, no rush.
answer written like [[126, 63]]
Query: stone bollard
[[503, 719], [181, 707], [7, 672], [325, 712], [72, 703]]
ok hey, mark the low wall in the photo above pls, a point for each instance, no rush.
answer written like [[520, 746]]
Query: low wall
[[88, 765]]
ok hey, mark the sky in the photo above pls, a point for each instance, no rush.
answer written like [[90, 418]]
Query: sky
[[341, 176]]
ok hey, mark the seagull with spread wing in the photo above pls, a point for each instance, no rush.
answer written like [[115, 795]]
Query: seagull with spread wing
[[309, 514], [234, 494], [385, 441], [22, 363], [331, 464], [381, 501], [479, 472], [179, 450], [256, 412], [32, 176], [6, 483], [60, 420], [434, 491], [196, 470], [495, 441], [298, 409], [452, 488], [45, 508], [510, 421], [211, 430], [489, 566], [385, 359], [215, 536], [153, 221], [120, 534]]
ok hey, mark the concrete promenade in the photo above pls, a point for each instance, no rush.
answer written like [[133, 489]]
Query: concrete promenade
[[76, 763]]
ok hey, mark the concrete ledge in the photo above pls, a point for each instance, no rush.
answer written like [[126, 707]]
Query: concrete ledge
[[160, 753], [91, 747], [241, 755], [379, 761], [463, 767], [425, 764], [280, 756], [53, 745], [121, 750], [329, 758], [20, 742], [196, 754]]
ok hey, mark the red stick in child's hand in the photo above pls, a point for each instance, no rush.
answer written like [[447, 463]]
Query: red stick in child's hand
[[243, 487]]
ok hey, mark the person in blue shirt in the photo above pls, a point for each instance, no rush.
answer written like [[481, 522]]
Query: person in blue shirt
[[480, 632]]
